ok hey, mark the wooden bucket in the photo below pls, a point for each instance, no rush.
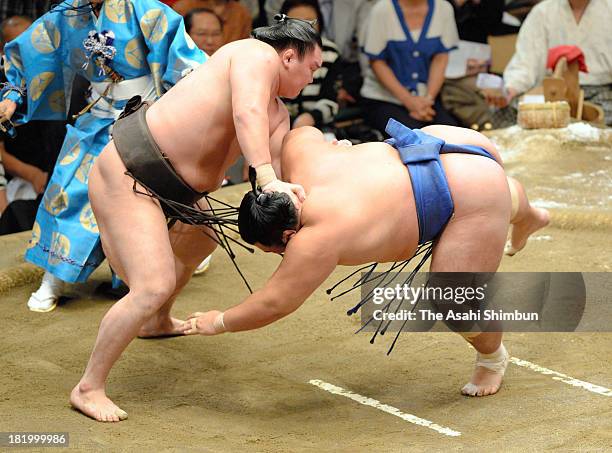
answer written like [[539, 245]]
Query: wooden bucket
[[548, 115]]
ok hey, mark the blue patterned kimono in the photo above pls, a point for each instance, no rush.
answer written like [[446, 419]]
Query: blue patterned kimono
[[149, 42]]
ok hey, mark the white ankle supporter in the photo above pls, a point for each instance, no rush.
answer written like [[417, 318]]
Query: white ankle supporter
[[496, 361]]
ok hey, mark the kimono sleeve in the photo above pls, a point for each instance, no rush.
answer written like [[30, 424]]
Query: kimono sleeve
[[528, 64], [35, 71], [450, 35], [376, 37], [172, 52]]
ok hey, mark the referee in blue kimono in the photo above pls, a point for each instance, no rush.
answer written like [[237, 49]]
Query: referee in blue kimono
[[123, 48]]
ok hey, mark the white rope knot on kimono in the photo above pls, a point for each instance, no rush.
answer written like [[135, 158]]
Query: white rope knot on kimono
[[100, 46]]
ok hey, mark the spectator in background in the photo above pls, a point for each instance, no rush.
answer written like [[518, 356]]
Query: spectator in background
[[407, 43], [27, 159], [346, 28], [3, 200], [253, 7], [28, 8], [316, 105], [479, 19], [551, 23], [346, 19], [237, 22], [476, 21], [12, 27], [205, 28], [272, 7]]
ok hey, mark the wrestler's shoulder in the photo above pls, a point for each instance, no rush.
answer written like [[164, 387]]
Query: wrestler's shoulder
[[320, 210], [252, 49]]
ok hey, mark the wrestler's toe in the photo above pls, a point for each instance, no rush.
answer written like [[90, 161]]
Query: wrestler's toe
[[95, 404], [509, 249], [469, 389]]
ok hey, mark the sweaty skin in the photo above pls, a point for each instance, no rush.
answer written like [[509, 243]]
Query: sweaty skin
[[377, 222], [228, 105]]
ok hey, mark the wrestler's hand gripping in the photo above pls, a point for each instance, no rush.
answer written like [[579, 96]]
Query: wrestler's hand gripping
[[7, 109], [199, 323]]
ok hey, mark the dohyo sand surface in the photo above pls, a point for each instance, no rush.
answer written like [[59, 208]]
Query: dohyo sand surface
[[253, 392]]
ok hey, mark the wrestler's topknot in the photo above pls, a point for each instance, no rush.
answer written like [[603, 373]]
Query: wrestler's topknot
[[289, 33], [263, 217]]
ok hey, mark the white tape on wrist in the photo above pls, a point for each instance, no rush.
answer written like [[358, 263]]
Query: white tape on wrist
[[218, 323], [265, 175]]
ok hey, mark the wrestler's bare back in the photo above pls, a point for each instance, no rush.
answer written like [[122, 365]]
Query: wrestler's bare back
[[193, 122], [369, 183], [378, 188]]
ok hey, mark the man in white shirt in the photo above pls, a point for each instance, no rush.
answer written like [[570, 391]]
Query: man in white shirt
[[551, 23]]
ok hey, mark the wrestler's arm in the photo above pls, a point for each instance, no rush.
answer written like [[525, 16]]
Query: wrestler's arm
[[31, 173], [437, 69], [309, 259], [276, 139], [253, 73]]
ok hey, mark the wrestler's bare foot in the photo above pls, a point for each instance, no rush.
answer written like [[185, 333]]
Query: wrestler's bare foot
[[161, 327], [488, 374], [538, 218], [95, 404], [484, 382]]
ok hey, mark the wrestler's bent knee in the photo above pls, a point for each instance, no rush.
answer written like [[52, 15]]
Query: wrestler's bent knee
[[151, 297]]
